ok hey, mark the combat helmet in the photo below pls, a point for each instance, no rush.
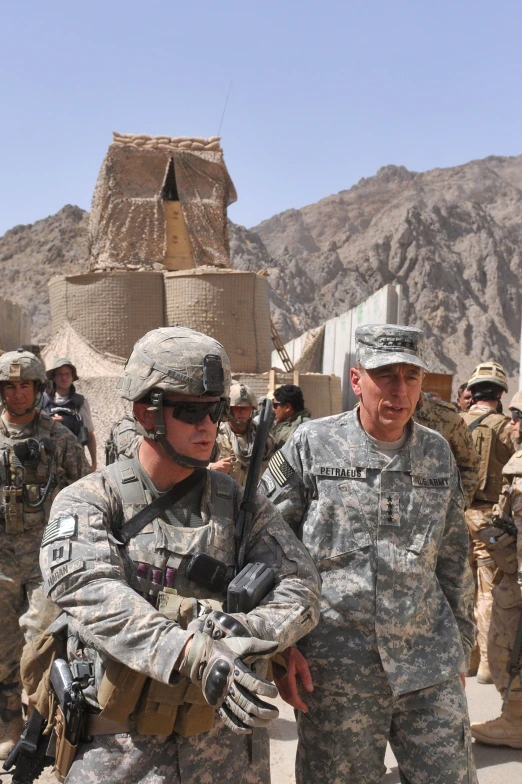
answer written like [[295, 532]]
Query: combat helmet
[[175, 360], [242, 396], [516, 403], [21, 365], [60, 362], [487, 380]]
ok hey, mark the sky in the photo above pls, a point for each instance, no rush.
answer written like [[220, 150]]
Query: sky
[[317, 95]]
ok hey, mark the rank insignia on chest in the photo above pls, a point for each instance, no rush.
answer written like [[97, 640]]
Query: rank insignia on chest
[[389, 509], [336, 472], [61, 528], [280, 468]]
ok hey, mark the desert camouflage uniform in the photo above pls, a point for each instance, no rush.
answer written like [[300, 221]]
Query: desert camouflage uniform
[[507, 596], [442, 417], [390, 542], [99, 586], [479, 515], [22, 601], [239, 446], [281, 431]]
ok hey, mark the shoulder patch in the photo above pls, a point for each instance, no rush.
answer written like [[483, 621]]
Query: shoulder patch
[[280, 468], [61, 528]]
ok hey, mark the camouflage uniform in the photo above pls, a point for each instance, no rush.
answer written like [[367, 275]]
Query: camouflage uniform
[[479, 514], [123, 441], [281, 431], [390, 543], [109, 591], [22, 601], [239, 446], [442, 417]]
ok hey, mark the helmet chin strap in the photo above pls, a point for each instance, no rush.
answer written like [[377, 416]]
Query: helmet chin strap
[[159, 435], [38, 394]]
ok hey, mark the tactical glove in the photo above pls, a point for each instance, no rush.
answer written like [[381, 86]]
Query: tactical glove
[[501, 546], [227, 683], [219, 624]]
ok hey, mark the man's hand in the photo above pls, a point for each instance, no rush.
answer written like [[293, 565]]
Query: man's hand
[[463, 679], [296, 665], [57, 418], [224, 465]]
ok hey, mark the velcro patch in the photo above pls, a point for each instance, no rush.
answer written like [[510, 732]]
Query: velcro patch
[[267, 485], [430, 481], [61, 552], [61, 528], [63, 571], [340, 473], [280, 468], [389, 511]]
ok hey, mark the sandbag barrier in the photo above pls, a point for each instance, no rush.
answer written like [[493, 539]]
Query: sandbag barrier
[[143, 140]]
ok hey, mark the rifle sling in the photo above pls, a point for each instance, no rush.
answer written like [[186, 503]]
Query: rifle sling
[[138, 521], [477, 421]]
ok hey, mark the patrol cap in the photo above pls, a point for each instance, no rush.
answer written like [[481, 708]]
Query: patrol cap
[[60, 362], [378, 345]]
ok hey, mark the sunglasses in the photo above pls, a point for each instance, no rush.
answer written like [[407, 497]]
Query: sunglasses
[[275, 404], [515, 414], [192, 413]]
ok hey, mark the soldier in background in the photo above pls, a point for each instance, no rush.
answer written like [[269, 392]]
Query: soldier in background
[[376, 498], [506, 551], [38, 456], [138, 602], [441, 416], [464, 399], [493, 438], [235, 438], [64, 404], [289, 412]]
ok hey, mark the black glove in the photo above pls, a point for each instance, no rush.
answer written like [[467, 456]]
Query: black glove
[[227, 683]]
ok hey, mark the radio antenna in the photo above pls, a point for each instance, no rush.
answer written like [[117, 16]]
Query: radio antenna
[[225, 107]]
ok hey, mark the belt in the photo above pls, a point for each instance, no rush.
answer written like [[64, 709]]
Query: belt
[[99, 725]]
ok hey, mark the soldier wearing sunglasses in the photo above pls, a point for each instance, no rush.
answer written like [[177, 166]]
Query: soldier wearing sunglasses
[[134, 600]]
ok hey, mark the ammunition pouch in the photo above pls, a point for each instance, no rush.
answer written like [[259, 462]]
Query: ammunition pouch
[[501, 546]]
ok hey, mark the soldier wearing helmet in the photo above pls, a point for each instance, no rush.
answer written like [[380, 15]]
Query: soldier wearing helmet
[[493, 438], [38, 457], [146, 596], [506, 730], [235, 438], [67, 406]]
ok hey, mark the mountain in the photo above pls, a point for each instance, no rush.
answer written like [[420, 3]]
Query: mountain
[[452, 237]]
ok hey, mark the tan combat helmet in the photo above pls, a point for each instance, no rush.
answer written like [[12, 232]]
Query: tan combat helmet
[[176, 360], [241, 395], [516, 402], [21, 365], [60, 362], [488, 373]]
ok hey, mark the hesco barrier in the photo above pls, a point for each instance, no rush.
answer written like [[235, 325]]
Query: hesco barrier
[[322, 394], [15, 325], [109, 309], [230, 305]]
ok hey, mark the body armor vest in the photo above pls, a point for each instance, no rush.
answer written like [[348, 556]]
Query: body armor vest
[[494, 454], [29, 468], [68, 410]]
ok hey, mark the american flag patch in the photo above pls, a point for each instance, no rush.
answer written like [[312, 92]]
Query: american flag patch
[[61, 528], [280, 468]]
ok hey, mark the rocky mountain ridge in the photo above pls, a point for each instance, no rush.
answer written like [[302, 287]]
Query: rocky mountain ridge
[[451, 238]]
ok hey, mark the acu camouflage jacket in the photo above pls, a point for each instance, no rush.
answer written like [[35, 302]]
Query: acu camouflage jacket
[[390, 543]]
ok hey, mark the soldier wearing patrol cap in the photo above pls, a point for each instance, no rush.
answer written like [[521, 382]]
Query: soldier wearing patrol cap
[[505, 547], [376, 499], [235, 438], [38, 456], [147, 599], [493, 438]]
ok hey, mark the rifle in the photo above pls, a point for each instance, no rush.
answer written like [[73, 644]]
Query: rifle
[[38, 745], [515, 662], [253, 581]]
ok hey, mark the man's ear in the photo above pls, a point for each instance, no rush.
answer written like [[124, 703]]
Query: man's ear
[[146, 418], [355, 377]]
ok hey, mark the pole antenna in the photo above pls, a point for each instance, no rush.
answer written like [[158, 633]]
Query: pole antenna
[[225, 107]]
